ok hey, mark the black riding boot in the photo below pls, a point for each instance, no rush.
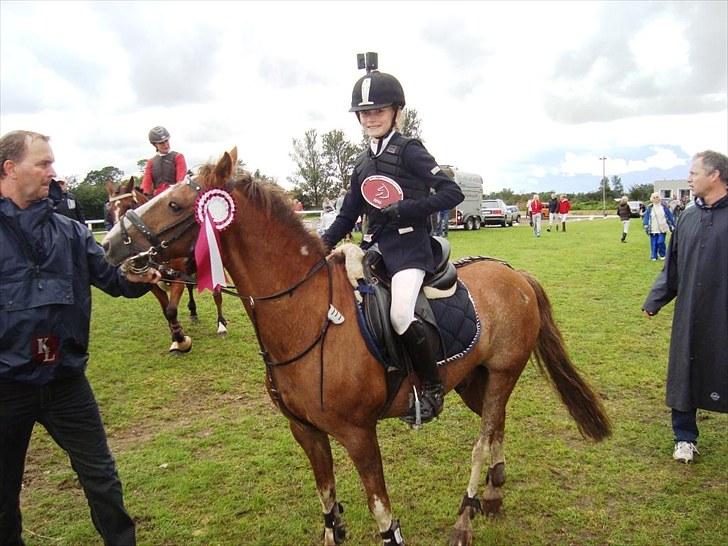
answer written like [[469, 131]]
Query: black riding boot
[[424, 361], [563, 227], [624, 237]]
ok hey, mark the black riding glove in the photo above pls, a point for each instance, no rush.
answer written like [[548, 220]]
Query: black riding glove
[[392, 212]]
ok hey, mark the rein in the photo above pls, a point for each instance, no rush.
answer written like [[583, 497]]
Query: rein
[[269, 363]]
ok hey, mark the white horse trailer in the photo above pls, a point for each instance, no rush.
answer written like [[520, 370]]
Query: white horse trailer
[[467, 213]]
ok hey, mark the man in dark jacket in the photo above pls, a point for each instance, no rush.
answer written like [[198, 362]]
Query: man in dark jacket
[[66, 203], [696, 273], [553, 212], [47, 266]]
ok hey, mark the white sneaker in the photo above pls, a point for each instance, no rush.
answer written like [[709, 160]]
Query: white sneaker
[[684, 452]]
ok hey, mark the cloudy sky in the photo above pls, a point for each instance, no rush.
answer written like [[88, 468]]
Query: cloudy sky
[[529, 95]]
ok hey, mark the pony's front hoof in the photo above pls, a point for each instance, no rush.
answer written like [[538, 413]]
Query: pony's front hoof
[[221, 330], [461, 537], [183, 346], [194, 318]]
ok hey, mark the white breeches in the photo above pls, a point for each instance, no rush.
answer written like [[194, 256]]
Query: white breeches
[[406, 285]]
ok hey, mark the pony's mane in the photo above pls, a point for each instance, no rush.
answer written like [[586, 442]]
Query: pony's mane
[[271, 199]]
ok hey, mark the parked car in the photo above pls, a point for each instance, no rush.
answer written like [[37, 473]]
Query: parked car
[[635, 208], [495, 211], [515, 213]]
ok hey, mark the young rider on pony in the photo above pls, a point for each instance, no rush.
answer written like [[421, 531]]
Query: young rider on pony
[[401, 229], [166, 167]]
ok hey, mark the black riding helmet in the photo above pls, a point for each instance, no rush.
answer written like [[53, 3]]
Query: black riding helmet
[[376, 90]]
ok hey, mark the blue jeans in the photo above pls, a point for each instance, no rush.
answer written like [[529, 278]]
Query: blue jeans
[[657, 245], [68, 411], [685, 426]]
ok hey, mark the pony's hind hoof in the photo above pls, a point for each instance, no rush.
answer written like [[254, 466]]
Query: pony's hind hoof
[[221, 330]]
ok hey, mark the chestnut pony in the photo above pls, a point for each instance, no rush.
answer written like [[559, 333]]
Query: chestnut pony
[[320, 372], [126, 197]]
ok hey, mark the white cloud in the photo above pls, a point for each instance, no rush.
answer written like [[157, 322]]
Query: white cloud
[[518, 92]]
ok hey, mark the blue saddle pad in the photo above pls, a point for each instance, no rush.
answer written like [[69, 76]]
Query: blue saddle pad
[[458, 322]]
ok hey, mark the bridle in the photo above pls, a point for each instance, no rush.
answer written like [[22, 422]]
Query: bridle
[[158, 243], [143, 260]]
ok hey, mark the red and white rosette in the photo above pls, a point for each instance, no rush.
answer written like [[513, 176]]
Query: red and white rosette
[[380, 191], [214, 211]]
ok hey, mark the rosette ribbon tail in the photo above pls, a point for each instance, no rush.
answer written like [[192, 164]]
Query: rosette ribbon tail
[[210, 271]]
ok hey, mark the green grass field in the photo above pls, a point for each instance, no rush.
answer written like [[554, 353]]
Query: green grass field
[[206, 459]]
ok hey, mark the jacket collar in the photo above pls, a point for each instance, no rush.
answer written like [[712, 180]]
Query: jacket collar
[[722, 202]]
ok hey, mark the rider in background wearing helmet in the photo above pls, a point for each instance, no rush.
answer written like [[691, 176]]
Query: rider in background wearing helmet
[[401, 229], [165, 168]]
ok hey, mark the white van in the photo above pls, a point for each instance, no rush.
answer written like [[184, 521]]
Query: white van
[[467, 213]]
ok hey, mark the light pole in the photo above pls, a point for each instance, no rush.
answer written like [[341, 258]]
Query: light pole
[[604, 185]]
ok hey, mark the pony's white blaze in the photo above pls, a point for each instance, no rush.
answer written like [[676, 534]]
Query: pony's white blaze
[[304, 250], [382, 516]]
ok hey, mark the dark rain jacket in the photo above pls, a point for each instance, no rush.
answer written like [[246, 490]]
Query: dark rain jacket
[[47, 266], [69, 206], [624, 212], [427, 189], [696, 274]]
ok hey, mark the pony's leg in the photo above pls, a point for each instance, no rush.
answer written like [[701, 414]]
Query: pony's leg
[[181, 343], [318, 450], [492, 389], [221, 322], [363, 448], [191, 303], [163, 299], [498, 389]]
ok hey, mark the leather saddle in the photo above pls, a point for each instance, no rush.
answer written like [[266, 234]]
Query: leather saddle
[[376, 299]]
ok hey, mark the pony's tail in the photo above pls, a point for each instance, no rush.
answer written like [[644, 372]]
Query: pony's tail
[[550, 354]]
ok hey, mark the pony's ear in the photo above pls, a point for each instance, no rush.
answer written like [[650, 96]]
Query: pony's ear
[[127, 186], [110, 189], [234, 156], [223, 170]]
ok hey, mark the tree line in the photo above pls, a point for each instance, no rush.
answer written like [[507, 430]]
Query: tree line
[[594, 200]]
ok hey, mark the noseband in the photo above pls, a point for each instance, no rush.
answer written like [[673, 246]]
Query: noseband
[[141, 261]]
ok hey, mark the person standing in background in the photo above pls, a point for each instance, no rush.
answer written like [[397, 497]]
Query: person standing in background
[[534, 208], [696, 276], [553, 212], [65, 202], [624, 213], [564, 208], [657, 221]]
